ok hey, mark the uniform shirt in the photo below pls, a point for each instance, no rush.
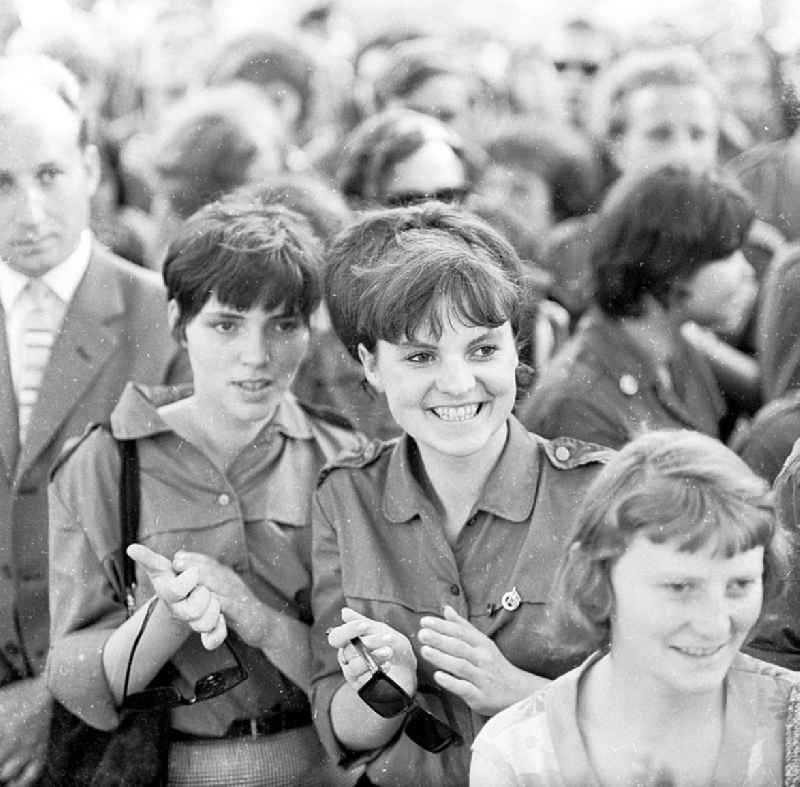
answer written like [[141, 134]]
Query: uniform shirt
[[771, 174], [254, 518], [777, 634], [770, 437], [537, 742], [379, 547], [602, 388]]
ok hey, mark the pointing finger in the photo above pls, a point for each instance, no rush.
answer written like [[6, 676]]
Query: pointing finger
[[153, 563]]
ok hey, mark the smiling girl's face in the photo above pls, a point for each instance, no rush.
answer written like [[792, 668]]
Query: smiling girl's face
[[679, 618], [453, 393]]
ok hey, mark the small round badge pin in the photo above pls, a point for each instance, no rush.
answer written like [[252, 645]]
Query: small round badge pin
[[511, 599]]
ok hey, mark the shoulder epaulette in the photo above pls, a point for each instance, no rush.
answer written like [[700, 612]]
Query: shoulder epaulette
[[355, 460], [327, 414], [566, 453], [71, 445]]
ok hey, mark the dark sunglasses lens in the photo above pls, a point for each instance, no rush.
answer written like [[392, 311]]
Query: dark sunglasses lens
[[430, 733], [384, 696], [586, 67], [157, 697], [217, 683]]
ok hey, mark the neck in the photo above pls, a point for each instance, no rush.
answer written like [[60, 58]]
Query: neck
[[221, 439], [457, 481], [646, 707], [655, 334]]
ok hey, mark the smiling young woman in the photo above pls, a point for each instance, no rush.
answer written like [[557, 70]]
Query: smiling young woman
[[676, 552], [436, 549]]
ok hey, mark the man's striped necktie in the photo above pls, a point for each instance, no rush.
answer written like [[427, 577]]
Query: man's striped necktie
[[40, 323]]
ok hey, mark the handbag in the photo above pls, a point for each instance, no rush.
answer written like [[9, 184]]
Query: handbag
[[135, 753]]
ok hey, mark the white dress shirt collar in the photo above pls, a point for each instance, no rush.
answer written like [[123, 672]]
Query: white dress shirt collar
[[63, 279]]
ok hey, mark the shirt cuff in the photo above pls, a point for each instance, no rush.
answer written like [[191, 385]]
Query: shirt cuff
[[77, 679]]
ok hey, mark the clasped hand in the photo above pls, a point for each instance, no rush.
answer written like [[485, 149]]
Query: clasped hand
[[203, 593], [470, 665]]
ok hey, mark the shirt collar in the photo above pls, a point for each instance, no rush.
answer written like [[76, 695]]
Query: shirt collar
[[63, 279], [509, 492], [618, 352], [136, 414]]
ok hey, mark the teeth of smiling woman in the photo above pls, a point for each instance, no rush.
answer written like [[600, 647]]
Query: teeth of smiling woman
[[252, 385], [700, 651], [462, 413]]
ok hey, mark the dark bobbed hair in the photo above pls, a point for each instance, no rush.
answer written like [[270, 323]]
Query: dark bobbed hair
[[390, 272], [670, 486], [657, 229], [373, 149], [310, 196], [245, 254]]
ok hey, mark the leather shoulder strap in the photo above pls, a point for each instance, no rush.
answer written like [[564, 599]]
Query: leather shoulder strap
[[129, 498]]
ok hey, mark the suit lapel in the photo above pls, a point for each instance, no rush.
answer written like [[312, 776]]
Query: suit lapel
[[84, 344], [9, 428]]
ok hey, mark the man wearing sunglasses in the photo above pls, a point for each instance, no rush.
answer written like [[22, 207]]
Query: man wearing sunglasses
[[579, 49]]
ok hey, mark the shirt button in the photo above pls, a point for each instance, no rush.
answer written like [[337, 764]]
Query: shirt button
[[628, 385], [562, 453], [455, 590], [224, 499]]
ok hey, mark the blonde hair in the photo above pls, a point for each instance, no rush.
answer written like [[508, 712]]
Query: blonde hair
[[677, 486]]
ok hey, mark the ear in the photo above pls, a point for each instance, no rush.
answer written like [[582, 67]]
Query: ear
[[369, 363], [91, 161], [173, 320]]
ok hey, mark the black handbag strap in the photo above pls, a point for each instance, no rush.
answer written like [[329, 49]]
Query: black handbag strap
[[129, 498]]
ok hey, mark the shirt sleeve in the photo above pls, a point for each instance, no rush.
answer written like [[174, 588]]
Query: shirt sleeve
[[84, 608], [777, 636], [327, 600]]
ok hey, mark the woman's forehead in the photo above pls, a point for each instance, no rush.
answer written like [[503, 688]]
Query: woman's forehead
[[644, 556]]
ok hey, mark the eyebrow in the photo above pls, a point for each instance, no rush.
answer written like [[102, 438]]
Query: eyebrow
[[477, 340]]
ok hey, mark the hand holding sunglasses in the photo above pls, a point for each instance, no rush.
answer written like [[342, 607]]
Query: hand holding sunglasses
[[209, 686], [388, 699]]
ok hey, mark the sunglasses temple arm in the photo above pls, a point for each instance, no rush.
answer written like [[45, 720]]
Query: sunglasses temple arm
[[362, 651]]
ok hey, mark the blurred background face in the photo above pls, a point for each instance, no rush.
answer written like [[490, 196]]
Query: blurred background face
[[722, 294], [432, 171], [578, 55], [668, 124], [522, 192], [447, 97], [743, 70]]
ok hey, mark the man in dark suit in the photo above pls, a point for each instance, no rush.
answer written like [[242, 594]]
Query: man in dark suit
[[105, 324]]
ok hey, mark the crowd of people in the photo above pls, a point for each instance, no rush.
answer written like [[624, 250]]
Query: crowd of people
[[463, 381]]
